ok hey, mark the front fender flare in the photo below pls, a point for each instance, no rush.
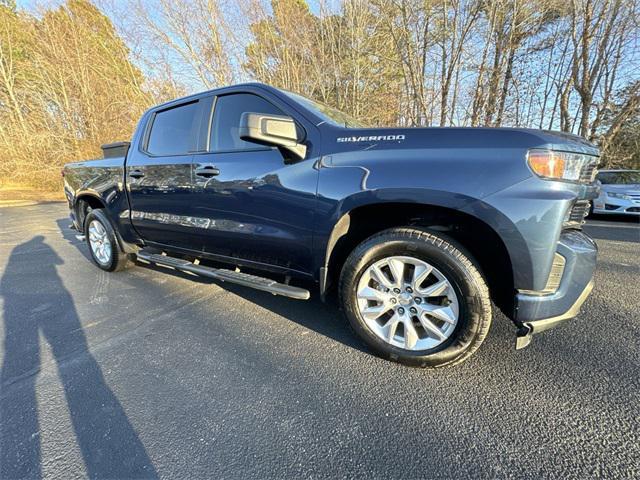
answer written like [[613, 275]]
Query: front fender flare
[[340, 220]]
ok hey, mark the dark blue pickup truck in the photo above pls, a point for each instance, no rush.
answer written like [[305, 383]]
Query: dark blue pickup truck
[[417, 230]]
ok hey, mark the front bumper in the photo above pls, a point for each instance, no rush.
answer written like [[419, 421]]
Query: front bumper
[[616, 206], [539, 312], [634, 210]]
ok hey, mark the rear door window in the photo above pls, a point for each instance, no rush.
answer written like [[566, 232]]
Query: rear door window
[[172, 130]]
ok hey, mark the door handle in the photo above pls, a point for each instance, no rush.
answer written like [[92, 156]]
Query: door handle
[[207, 171], [136, 174]]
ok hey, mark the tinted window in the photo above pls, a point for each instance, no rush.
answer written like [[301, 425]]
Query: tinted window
[[171, 130], [226, 120], [629, 177]]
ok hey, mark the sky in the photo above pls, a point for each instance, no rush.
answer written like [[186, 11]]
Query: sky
[[111, 8], [32, 5], [146, 57]]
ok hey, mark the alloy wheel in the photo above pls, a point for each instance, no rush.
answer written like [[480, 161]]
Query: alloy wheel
[[408, 303], [99, 242]]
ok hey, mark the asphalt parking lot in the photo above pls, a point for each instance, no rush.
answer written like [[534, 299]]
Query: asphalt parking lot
[[146, 374]]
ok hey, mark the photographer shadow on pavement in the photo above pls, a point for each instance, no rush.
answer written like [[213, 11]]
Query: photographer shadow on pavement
[[109, 445], [323, 318]]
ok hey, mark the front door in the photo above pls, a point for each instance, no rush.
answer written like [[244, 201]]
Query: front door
[[159, 176], [253, 203]]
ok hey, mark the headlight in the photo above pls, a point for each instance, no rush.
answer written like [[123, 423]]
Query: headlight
[[574, 167], [623, 196]]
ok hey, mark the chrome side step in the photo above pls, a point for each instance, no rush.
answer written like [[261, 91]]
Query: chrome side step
[[244, 279]]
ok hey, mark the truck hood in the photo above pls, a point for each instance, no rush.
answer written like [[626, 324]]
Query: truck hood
[[621, 188], [459, 138]]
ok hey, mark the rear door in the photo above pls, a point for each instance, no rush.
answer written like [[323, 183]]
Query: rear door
[[159, 175]]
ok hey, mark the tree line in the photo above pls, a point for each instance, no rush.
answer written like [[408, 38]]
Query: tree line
[[79, 74]]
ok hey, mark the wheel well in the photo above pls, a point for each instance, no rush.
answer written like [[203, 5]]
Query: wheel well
[[83, 203], [479, 239]]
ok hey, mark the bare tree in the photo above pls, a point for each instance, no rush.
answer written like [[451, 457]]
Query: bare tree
[[70, 79]]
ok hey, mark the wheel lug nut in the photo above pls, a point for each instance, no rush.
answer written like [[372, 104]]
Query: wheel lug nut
[[401, 311], [409, 290], [413, 310], [396, 290], [393, 300], [418, 300]]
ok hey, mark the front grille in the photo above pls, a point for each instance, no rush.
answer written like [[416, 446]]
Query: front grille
[[633, 209], [589, 172], [576, 216]]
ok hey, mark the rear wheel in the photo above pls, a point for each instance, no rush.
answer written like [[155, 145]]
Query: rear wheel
[[103, 244], [415, 298]]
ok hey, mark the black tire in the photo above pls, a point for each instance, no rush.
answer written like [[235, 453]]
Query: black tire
[[118, 260], [444, 254]]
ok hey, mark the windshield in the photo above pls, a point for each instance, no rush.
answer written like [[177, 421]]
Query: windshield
[[328, 114], [620, 178]]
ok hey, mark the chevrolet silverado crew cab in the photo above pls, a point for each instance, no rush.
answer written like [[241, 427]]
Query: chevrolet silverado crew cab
[[417, 231]]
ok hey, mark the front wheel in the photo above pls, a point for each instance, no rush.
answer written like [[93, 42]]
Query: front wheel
[[103, 244], [414, 297]]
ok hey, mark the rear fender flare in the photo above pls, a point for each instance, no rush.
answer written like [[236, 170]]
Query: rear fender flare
[[124, 246]]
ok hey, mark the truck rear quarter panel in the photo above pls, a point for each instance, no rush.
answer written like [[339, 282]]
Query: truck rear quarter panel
[[102, 180]]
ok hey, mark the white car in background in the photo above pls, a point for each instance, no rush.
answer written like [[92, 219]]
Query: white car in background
[[619, 192]]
